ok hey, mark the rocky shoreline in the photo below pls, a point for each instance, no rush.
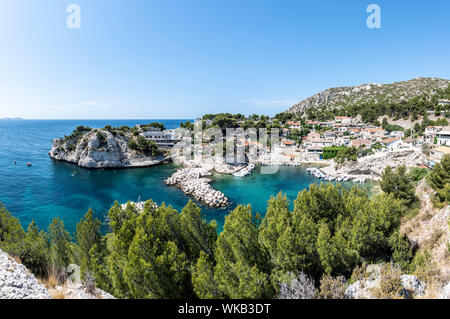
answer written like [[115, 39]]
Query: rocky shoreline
[[192, 182]]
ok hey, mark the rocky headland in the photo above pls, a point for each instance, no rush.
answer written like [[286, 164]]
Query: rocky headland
[[101, 148]]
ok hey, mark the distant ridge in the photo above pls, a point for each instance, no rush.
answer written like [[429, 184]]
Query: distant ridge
[[338, 97], [11, 118]]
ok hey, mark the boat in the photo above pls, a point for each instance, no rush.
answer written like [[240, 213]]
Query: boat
[[29, 164]]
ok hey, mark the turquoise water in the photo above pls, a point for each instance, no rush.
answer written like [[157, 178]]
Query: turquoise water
[[50, 188]]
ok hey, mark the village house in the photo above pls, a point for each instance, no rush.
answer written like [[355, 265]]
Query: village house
[[360, 142], [430, 133], [319, 142], [293, 125], [372, 133], [391, 142], [443, 136], [312, 123], [340, 127], [397, 134], [313, 153], [327, 124], [354, 131], [407, 142], [287, 143], [313, 136], [437, 153], [343, 140], [343, 119], [329, 135]]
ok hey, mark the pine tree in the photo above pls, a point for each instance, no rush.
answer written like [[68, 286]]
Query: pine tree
[[399, 184], [92, 250], [439, 177], [242, 269], [35, 254], [197, 233], [204, 284], [60, 247], [11, 233]]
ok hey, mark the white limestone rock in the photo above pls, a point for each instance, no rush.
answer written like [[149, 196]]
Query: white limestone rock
[[90, 152], [16, 282]]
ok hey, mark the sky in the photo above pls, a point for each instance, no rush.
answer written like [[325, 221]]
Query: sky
[[184, 58]]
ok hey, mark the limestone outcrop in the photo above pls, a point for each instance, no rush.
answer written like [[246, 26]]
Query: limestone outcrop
[[374, 165], [100, 149]]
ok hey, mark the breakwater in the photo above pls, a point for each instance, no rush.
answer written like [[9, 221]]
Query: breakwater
[[192, 182]]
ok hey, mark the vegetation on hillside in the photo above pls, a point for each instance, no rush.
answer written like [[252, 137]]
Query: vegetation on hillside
[[439, 180], [144, 146], [409, 99]]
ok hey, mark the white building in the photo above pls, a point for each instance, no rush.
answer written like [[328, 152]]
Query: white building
[[444, 102], [162, 139], [397, 134], [343, 119], [392, 142], [437, 153], [293, 125], [443, 136]]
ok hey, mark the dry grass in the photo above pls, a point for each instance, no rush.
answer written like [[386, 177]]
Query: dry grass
[[51, 281], [390, 283], [426, 216], [434, 239], [54, 278], [427, 271], [17, 260], [58, 293]]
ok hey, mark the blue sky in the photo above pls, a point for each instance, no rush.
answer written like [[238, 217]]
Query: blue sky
[[181, 59]]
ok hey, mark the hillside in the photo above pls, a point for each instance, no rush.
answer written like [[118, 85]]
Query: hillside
[[344, 98]]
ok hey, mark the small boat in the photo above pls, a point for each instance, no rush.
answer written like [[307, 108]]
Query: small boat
[[29, 164]]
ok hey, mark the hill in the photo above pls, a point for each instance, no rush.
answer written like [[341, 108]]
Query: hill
[[398, 99]]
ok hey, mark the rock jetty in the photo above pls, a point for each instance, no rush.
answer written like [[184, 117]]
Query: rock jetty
[[192, 182]]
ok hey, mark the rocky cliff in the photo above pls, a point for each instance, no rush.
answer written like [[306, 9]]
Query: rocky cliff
[[335, 98], [100, 149]]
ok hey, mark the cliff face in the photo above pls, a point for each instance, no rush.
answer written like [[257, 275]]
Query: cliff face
[[100, 149], [334, 98], [16, 282]]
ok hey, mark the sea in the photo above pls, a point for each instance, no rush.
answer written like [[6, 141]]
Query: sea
[[50, 188]]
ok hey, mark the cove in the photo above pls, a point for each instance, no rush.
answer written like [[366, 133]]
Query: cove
[[51, 189]]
